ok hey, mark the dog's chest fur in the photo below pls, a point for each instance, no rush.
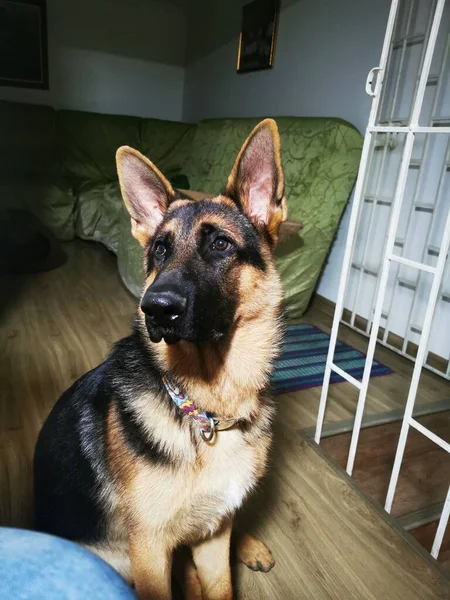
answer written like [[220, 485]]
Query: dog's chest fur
[[193, 500], [204, 483]]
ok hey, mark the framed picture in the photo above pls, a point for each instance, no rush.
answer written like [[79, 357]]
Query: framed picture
[[23, 44], [258, 35]]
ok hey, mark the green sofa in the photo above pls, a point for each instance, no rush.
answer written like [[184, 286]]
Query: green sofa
[[60, 165]]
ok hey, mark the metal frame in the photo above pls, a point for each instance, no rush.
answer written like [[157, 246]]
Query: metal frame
[[395, 125], [410, 130]]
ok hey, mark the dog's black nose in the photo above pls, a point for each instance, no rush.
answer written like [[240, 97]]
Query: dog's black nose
[[163, 306]]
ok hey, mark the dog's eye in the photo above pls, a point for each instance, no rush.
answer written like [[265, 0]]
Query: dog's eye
[[221, 244], [160, 249]]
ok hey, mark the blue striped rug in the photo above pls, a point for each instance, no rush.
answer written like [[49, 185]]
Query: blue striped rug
[[302, 362]]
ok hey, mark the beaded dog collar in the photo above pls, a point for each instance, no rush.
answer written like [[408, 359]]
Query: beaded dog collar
[[207, 422]]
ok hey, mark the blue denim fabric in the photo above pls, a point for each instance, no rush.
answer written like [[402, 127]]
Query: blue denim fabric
[[36, 566]]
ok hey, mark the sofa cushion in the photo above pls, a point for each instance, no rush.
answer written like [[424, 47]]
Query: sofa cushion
[[88, 143], [167, 144], [130, 256], [52, 202], [57, 209], [98, 207]]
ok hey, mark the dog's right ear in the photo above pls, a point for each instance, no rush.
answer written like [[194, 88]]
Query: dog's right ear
[[145, 191]]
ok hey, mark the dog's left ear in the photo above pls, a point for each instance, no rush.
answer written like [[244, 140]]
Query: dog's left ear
[[257, 178]]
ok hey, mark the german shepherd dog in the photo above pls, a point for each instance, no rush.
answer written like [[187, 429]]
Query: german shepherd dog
[[157, 447]]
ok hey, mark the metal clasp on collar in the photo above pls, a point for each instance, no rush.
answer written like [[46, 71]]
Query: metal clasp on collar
[[209, 436], [216, 425]]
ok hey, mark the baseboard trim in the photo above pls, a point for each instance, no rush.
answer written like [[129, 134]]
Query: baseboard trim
[[390, 416], [421, 517]]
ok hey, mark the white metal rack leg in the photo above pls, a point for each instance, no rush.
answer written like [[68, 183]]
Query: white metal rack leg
[[389, 257], [359, 188]]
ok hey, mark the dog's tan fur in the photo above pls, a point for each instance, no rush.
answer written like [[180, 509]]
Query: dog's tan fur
[[153, 509]]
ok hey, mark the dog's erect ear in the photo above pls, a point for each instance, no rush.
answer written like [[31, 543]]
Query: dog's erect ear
[[145, 191], [257, 178]]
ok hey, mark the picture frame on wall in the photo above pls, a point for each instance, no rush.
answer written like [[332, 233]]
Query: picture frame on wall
[[23, 44], [258, 35]]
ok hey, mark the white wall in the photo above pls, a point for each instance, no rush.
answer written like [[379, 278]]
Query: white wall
[[113, 57], [324, 51]]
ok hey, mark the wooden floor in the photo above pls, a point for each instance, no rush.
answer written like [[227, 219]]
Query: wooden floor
[[54, 327], [328, 542]]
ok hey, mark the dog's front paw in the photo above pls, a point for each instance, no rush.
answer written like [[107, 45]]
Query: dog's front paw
[[254, 553]]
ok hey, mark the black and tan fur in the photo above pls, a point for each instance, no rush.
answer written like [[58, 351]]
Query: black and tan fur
[[117, 468]]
